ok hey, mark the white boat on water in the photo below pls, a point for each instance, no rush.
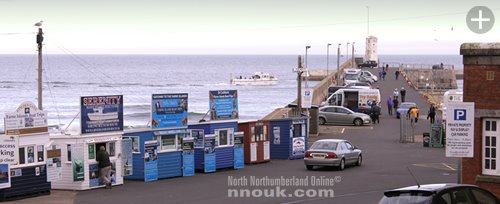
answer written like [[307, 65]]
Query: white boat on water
[[99, 114], [257, 79]]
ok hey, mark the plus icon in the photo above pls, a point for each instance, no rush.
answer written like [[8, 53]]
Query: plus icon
[[480, 19]]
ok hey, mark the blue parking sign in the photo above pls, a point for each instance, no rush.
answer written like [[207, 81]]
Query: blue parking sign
[[460, 114]]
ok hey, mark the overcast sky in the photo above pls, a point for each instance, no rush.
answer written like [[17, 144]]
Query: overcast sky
[[238, 27]]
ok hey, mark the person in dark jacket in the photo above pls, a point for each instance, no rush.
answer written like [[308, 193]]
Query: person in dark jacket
[[375, 113], [403, 94], [432, 114], [104, 166]]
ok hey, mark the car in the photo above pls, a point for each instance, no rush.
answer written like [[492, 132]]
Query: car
[[369, 76], [341, 115], [332, 152], [439, 194], [368, 64], [351, 75], [404, 107]]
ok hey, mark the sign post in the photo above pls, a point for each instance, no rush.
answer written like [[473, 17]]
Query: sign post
[[188, 156], [239, 153], [460, 129], [151, 160], [209, 153]]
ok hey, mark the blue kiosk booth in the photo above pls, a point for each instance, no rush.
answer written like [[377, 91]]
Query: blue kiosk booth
[[220, 135], [288, 138]]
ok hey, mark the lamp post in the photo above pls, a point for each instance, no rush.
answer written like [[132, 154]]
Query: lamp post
[[338, 64], [307, 47], [327, 57], [347, 51], [352, 54]]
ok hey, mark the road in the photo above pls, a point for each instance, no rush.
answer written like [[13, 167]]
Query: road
[[386, 165]]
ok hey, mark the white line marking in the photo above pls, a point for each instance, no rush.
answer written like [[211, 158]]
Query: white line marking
[[446, 165], [343, 129]]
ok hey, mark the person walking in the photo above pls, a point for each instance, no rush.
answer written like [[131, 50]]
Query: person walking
[[432, 113], [390, 104], [104, 166], [380, 73], [375, 112], [395, 94], [413, 114], [383, 74], [397, 74], [403, 94], [395, 102]]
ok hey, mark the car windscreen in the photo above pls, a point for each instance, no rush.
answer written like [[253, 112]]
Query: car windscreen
[[322, 145], [412, 197], [407, 105], [351, 77]]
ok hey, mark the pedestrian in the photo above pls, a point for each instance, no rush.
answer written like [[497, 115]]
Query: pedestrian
[[383, 74], [390, 105], [432, 113], [395, 94], [386, 67], [413, 114], [375, 112], [403, 94], [397, 74], [104, 166], [380, 73], [395, 102]]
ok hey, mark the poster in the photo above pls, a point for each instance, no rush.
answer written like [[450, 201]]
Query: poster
[[9, 150], [101, 113], [54, 169], [26, 118], [276, 134], [267, 150], [188, 157], [223, 104], [197, 135], [209, 153], [307, 95], [127, 157], [169, 110], [460, 129], [94, 175], [253, 152], [77, 158], [239, 154], [298, 146], [4, 176], [151, 160]]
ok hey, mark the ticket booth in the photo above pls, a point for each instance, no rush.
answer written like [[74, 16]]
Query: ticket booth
[[223, 132], [288, 138], [256, 141], [157, 154], [23, 170]]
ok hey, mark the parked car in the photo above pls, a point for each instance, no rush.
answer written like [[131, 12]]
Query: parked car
[[369, 76], [341, 115], [439, 194], [404, 107], [332, 152], [369, 64]]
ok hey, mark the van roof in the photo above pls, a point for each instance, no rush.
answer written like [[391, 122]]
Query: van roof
[[352, 71]]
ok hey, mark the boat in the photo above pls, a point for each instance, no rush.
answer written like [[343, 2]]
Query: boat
[[257, 79], [99, 114]]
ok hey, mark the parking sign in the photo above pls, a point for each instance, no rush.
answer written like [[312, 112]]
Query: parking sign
[[460, 129]]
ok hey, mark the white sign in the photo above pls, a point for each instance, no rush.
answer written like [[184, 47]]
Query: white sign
[[277, 137], [253, 152], [267, 150], [307, 95], [460, 129], [27, 115], [54, 165], [9, 149], [298, 146]]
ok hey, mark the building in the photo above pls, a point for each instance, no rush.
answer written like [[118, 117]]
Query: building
[[481, 86], [371, 52]]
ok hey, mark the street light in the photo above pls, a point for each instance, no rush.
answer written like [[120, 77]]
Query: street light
[[347, 51], [352, 54], [307, 47], [338, 63], [327, 56]]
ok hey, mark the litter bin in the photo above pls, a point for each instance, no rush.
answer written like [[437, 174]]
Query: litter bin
[[426, 138]]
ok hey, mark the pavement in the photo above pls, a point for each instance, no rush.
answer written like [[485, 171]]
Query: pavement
[[386, 165]]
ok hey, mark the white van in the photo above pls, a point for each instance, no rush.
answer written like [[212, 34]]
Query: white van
[[358, 100], [454, 95], [351, 75]]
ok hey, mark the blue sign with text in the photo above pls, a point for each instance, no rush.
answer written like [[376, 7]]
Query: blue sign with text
[[169, 110], [209, 153], [101, 113], [239, 154], [223, 104], [188, 157], [151, 160]]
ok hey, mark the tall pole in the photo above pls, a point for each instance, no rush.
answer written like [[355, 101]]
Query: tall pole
[[299, 84], [327, 57], [347, 51], [352, 54], [338, 64], [368, 21], [39, 41]]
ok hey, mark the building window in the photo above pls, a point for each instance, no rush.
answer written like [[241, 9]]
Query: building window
[[169, 142], [39, 152], [22, 156], [490, 137], [299, 130], [68, 151], [197, 135], [94, 148], [224, 137], [135, 143], [31, 154]]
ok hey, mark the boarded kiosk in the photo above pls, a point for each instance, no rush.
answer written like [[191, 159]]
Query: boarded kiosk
[[23, 170], [288, 138], [256, 141], [101, 125], [223, 135]]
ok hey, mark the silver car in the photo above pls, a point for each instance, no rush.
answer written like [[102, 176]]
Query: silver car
[[332, 152], [341, 115]]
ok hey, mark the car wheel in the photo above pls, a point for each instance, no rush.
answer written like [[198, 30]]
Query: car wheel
[[358, 122], [309, 167], [322, 121], [360, 160], [342, 164]]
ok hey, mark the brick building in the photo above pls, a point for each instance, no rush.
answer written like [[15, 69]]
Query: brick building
[[482, 86]]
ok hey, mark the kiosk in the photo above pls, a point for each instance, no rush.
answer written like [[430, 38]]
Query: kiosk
[[23, 170], [256, 141], [223, 132], [289, 138]]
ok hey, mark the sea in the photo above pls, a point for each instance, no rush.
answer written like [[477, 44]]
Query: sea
[[68, 77]]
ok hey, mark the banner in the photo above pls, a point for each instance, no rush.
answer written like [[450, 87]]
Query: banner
[[307, 95], [209, 153], [4, 176], [169, 110], [9, 149], [77, 158], [127, 157], [101, 113], [299, 146], [276, 135], [239, 153], [54, 169], [460, 129], [187, 157], [223, 104], [151, 160], [27, 119]]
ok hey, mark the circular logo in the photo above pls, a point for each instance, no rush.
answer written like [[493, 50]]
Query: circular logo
[[480, 19]]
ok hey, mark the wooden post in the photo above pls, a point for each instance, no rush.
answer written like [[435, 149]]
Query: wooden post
[[39, 41]]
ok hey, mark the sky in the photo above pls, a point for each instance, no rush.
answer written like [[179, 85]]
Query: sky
[[256, 27]]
